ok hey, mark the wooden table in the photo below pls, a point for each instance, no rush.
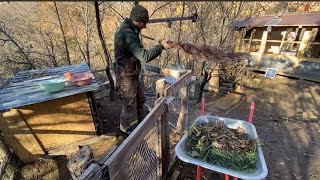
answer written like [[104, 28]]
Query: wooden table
[[33, 121]]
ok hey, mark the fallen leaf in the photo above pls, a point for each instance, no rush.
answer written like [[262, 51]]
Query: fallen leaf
[[217, 145], [194, 154], [240, 130]]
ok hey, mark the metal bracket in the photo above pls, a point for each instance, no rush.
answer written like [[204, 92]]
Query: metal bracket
[[169, 99]]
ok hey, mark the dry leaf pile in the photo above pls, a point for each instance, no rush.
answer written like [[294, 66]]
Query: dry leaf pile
[[207, 52], [219, 145]]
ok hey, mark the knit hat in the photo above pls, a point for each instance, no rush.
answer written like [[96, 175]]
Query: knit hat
[[139, 14]]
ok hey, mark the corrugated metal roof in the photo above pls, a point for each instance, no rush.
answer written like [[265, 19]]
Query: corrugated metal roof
[[24, 89], [310, 19]]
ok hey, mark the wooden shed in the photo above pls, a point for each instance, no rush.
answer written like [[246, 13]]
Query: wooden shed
[[33, 121], [290, 43]]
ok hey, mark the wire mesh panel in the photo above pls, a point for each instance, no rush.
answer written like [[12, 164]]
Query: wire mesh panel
[[174, 109], [145, 154], [140, 156], [177, 100], [144, 163], [176, 92]]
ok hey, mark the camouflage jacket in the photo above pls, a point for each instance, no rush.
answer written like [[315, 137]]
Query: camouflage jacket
[[129, 52]]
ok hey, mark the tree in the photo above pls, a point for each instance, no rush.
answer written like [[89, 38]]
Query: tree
[[179, 33], [105, 50], [80, 18], [63, 34], [20, 50]]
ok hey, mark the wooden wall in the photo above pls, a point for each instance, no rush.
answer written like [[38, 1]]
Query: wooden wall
[[33, 129]]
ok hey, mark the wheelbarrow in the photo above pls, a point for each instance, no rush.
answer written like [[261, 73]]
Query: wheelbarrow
[[261, 168]]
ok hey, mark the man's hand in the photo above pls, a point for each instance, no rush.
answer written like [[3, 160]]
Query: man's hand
[[166, 45]]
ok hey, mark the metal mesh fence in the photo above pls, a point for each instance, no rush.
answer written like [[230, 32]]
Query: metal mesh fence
[[173, 95], [139, 157], [145, 163], [174, 100]]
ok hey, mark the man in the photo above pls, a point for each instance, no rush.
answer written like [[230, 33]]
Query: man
[[129, 53]]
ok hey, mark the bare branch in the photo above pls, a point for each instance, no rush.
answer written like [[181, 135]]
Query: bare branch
[[115, 11], [16, 62], [20, 49], [159, 8], [63, 34], [2, 25], [3, 41]]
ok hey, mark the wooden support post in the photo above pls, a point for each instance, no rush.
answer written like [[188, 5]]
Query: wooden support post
[[303, 45], [94, 111], [262, 45], [32, 132], [282, 42], [263, 42], [250, 40], [242, 37], [164, 144], [213, 84], [160, 90], [160, 86], [182, 120], [238, 40]]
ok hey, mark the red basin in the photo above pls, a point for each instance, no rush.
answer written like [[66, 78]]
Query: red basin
[[81, 79]]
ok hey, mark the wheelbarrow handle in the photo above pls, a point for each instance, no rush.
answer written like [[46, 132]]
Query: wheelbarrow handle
[[251, 109]]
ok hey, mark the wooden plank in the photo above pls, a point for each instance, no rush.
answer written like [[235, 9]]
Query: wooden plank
[[172, 73], [227, 84], [306, 59], [56, 122], [21, 77], [74, 146], [30, 97], [129, 146], [22, 91], [18, 100], [281, 73], [104, 158]]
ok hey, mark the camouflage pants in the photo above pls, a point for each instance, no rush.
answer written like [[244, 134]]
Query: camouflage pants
[[133, 101]]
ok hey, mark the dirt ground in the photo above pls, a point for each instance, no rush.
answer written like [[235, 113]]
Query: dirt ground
[[286, 118]]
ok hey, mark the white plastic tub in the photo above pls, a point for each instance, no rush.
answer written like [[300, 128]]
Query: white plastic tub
[[261, 169]]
